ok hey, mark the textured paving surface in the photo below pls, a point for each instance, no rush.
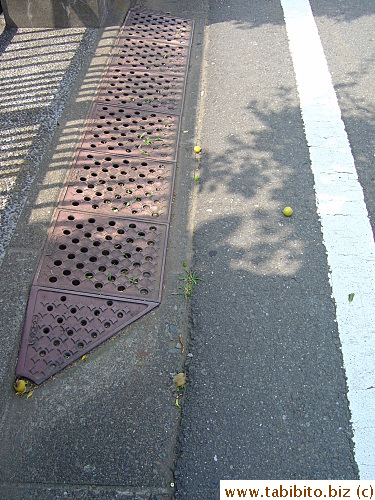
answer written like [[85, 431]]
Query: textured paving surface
[[38, 69], [102, 265]]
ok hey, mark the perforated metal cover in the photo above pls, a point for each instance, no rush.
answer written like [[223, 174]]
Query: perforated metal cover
[[133, 132], [150, 56], [104, 255], [156, 26], [63, 326], [120, 185], [102, 265], [141, 89]]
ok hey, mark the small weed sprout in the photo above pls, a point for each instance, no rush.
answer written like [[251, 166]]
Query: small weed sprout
[[190, 280]]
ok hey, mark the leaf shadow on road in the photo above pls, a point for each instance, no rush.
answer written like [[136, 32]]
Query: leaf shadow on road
[[343, 11], [266, 358]]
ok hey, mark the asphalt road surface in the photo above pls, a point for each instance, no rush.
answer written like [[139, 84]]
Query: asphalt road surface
[[269, 394]]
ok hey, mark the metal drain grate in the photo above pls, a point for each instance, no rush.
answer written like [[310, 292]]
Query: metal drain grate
[[156, 26], [143, 89], [102, 255], [133, 132], [151, 56], [63, 326], [116, 185], [102, 265]]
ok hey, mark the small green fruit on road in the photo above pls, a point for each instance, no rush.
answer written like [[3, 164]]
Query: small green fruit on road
[[197, 149], [287, 211], [20, 386]]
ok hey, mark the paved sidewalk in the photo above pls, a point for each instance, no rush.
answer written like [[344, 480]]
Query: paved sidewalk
[[105, 427]]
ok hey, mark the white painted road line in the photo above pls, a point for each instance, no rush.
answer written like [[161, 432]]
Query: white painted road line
[[347, 233]]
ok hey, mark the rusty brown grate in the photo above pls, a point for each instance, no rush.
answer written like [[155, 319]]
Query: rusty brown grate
[[141, 89], [113, 184], [152, 56], [165, 28], [63, 326], [103, 262], [133, 132], [104, 255]]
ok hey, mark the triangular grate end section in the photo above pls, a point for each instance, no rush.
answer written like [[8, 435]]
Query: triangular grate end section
[[61, 326]]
